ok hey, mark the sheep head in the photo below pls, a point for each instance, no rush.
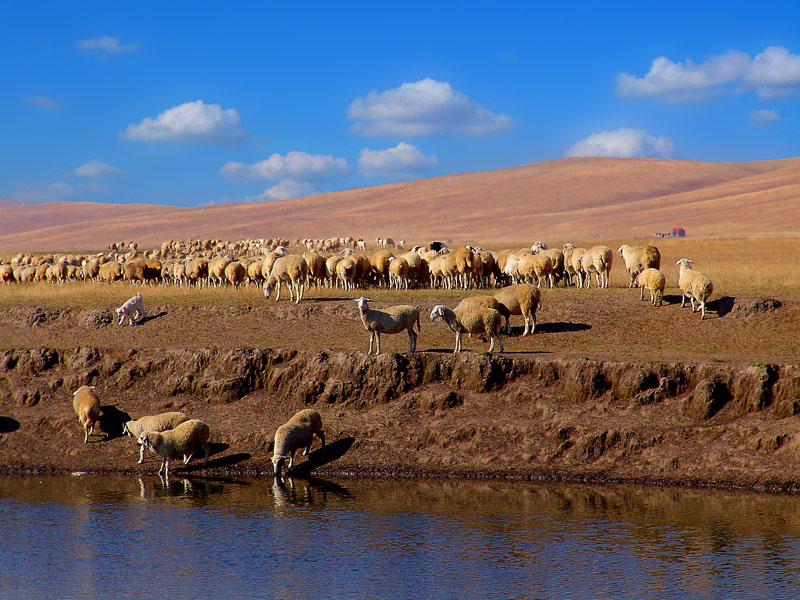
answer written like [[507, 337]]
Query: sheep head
[[277, 464], [363, 303], [684, 263], [438, 311]]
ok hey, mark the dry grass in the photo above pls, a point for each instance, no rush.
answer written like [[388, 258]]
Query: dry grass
[[736, 266]]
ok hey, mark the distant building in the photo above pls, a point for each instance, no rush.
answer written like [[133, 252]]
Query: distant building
[[676, 232]]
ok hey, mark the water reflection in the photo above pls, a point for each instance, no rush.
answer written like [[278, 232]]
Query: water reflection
[[404, 539]]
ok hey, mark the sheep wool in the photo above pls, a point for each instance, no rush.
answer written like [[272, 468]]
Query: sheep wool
[[86, 405], [186, 439], [393, 319], [520, 299], [297, 432], [161, 422]]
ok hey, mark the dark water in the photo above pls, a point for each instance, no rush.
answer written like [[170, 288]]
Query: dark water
[[125, 537]]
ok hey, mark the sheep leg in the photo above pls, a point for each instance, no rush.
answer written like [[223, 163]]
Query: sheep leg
[[500, 341], [278, 294], [458, 342], [702, 309], [371, 336], [302, 290], [378, 344], [692, 301], [187, 458], [205, 458], [683, 299], [141, 454], [641, 295]]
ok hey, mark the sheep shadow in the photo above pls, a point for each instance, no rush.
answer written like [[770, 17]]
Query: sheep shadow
[[111, 421], [148, 318], [670, 299], [325, 299], [721, 306], [312, 492], [8, 425], [561, 327], [220, 462], [333, 451]]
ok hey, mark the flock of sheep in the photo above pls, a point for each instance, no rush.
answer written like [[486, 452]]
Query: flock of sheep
[[173, 435], [267, 263]]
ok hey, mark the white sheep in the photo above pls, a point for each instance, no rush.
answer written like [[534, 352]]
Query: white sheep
[[159, 423], [297, 432], [291, 270], [132, 309], [653, 280], [186, 439], [694, 285], [521, 299], [86, 405], [393, 319], [639, 258], [597, 260], [476, 320]]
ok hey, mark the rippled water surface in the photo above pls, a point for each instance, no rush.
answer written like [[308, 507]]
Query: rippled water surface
[[125, 537]]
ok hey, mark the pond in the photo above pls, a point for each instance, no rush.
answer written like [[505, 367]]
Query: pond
[[130, 537]]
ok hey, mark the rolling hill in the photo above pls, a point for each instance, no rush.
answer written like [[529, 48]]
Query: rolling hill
[[571, 198]]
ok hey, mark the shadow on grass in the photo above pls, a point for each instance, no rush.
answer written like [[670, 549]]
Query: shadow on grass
[[8, 425], [721, 306], [148, 318], [333, 451], [561, 327]]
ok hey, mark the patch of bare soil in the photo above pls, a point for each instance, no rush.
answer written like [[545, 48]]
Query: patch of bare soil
[[605, 391]]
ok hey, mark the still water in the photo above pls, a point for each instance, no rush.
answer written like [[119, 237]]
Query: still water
[[126, 537]]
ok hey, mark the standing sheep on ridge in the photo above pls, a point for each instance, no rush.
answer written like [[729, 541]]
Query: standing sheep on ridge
[[297, 432], [520, 299], [486, 321], [393, 319], [291, 270], [597, 260], [694, 285]]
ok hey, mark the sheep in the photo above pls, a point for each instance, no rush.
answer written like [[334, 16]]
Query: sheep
[[86, 405], [576, 265], [535, 267], [393, 319], [477, 320], [297, 432], [380, 266], [653, 280], [398, 273], [291, 270], [185, 439], [133, 309], [639, 258], [695, 285], [235, 274], [597, 260], [520, 299], [160, 422]]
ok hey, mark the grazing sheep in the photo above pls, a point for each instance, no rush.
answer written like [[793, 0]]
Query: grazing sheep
[[520, 299], [597, 260], [110, 271], [694, 285], [186, 439], [479, 320], [639, 258], [291, 270], [576, 265], [86, 405], [653, 280], [398, 273], [297, 432], [235, 274], [535, 267], [133, 310], [160, 422], [393, 319]]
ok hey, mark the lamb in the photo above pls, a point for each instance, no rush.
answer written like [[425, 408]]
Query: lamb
[[695, 285], [186, 439], [291, 270], [393, 319], [160, 422], [639, 258], [597, 260], [86, 405], [297, 432], [653, 280], [479, 320], [521, 299], [133, 310]]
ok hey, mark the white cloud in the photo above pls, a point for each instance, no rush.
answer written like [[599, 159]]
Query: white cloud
[[759, 118], [422, 108], [43, 102], [295, 166], [50, 192], [623, 143], [189, 123], [95, 169], [404, 161], [105, 45], [288, 189], [773, 73], [95, 188]]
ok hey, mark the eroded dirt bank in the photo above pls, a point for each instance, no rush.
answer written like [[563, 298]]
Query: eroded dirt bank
[[430, 413]]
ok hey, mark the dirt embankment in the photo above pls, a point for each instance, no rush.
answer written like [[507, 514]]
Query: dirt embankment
[[428, 413]]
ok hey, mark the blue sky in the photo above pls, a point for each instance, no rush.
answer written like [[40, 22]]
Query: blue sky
[[200, 103]]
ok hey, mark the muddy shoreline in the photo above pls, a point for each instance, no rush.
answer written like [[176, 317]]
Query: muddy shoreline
[[429, 414]]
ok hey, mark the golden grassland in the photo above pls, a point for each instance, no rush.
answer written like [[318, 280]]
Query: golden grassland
[[736, 266]]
